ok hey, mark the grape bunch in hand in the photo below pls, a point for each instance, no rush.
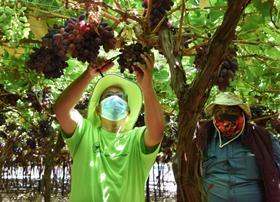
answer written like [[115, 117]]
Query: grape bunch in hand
[[131, 55]]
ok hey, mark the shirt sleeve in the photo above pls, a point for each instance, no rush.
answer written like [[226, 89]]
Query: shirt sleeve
[[74, 141], [276, 150], [148, 155]]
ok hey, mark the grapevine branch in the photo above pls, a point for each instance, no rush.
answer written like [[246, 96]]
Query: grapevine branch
[[124, 15], [266, 117], [198, 8], [179, 36], [147, 17], [264, 57], [191, 50], [48, 12], [207, 8], [109, 16], [262, 91], [117, 4], [257, 43], [157, 28]]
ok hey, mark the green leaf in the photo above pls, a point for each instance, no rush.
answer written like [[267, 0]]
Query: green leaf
[[253, 22], [161, 75], [263, 6]]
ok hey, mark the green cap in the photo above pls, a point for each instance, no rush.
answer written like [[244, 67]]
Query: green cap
[[131, 89], [228, 99]]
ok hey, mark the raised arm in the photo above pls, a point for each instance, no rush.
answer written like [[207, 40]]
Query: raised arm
[[64, 110], [154, 118]]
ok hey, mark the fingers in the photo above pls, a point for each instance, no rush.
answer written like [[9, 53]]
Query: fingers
[[104, 66], [138, 71], [149, 59], [107, 65]]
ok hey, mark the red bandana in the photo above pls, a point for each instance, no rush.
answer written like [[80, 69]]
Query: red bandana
[[229, 128]]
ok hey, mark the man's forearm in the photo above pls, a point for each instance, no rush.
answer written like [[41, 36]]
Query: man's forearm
[[154, 117], [72, 94]]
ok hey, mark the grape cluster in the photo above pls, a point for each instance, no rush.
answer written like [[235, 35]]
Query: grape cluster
[[228, 66], [131, 54], [78, 38], [200, 57], [276, 125], [261, 114], [2, 119], [17, 149], [227, 69], [83, 104], [47, 61], [39, 100], [8, 98], [45, 128], [32, 98], [31, 143], [158, 11], [46, 97], [84, 40]]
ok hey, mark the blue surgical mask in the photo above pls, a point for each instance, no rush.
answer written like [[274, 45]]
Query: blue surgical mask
[[113, 108]]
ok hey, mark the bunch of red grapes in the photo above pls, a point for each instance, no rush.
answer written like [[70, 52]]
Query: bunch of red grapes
[[276, 125], [227, 69], [78, 38], [130, 55], [47, 61], [228, 66], [7, 98], [40, 99], [158, 11]]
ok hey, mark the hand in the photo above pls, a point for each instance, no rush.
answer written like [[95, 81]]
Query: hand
[[100, 67], [144, 73]]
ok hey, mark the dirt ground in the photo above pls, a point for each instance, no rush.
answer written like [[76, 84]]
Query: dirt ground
[[29, 197]]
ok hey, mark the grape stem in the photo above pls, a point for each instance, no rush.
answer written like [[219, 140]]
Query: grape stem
[[125, 15], [179, 36], [189, 51], [109, 16], [147, 16], [266, 117], [48, 12], [157, 28], [106, 63], [117, 4]]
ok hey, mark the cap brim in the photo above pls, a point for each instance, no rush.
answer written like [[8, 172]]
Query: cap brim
[[209, 109], [133, 91]]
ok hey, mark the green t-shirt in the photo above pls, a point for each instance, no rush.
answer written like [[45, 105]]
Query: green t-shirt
[[108, 166]]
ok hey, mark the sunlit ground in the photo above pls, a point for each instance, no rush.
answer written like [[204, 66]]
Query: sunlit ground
[[162, 186]]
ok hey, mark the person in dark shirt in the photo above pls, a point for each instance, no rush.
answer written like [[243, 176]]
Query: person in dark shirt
[[241, 160]]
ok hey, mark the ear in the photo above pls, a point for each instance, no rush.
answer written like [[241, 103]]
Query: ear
[[128, 110]]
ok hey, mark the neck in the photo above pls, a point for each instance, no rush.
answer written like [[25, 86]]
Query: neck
[[112, 126]]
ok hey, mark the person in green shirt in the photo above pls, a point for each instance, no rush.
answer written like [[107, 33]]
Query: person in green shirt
[[111, 158]]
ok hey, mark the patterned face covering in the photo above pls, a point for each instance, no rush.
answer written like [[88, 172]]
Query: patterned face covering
[[229, 123]]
